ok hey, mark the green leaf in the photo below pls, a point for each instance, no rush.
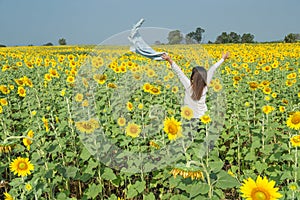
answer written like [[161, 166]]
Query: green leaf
[[198, 188], [131, 191], [94, 190], [140, 186], [85, 154], [179, 197], [149, 196], [71, 172], [225, 181], [216, 166], [108, 174], [174, 182], [260, 167]]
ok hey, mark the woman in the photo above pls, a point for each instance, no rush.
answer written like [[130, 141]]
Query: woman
[[196, 86]]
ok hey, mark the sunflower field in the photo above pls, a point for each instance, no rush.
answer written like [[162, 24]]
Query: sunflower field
[[87, 122]]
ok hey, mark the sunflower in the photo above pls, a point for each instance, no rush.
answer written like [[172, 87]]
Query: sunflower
[[155, 90], [256, 72], [27, 142], [247, 104], [4, 89], [8, 196], [47, 77], [295, 140], [288, 83], [21, 166], [3, 102], [28, 82], [253, 85], [79, 97], [281, 109], [147, 87], [267, 90], [28, 187], [154, 144], [173, 128], [293, 186], [150, 73], [267, 98], [6, 148], [100, 78], [262, 189], [45, 121], [111, 85], [20, 82], [267, 68], [267, 109], [70, 79], [133, 130], [293, 121], [85, 127], [187, 172], [292, 75], [21, 91], [53, 73], [285, 101], [205, 119], [187, 112], [175, 89], [121, 121], [129, 106], [85, 103], [140, 106]]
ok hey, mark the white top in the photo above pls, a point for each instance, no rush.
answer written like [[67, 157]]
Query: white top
[[199, 106]]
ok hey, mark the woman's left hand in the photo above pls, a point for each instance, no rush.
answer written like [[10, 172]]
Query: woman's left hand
[[225, 55]]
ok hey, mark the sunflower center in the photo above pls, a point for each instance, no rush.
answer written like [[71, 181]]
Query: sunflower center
[[133, 129], [187, 113], [87, 126], [172, 129], [296, 119], [22, 166], [258, 194]]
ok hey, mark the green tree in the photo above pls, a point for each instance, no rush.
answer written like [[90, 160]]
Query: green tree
[[290, 38], [234, 37], [223, 38], [195, 36], [62, 41], [175, 37], [247, 38]]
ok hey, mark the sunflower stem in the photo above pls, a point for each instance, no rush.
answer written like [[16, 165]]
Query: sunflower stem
[[296, 164]]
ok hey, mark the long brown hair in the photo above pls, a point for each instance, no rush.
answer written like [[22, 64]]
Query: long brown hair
[[198, 81]]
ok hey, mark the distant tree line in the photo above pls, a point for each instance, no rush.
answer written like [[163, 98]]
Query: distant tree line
[[195, 37]]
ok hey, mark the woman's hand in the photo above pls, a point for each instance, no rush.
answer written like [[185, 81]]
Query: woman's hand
[[167, 58], [225, 55]]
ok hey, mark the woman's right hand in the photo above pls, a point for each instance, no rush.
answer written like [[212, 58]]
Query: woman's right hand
[[166, 57]]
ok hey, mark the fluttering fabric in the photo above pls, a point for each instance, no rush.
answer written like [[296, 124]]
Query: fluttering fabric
[[138, 45]]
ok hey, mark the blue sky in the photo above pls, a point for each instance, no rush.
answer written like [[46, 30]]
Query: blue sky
[[37, 22]]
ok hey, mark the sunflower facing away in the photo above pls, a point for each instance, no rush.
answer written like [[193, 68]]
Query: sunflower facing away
[[173, 128], [21, 166], [262, 189]]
